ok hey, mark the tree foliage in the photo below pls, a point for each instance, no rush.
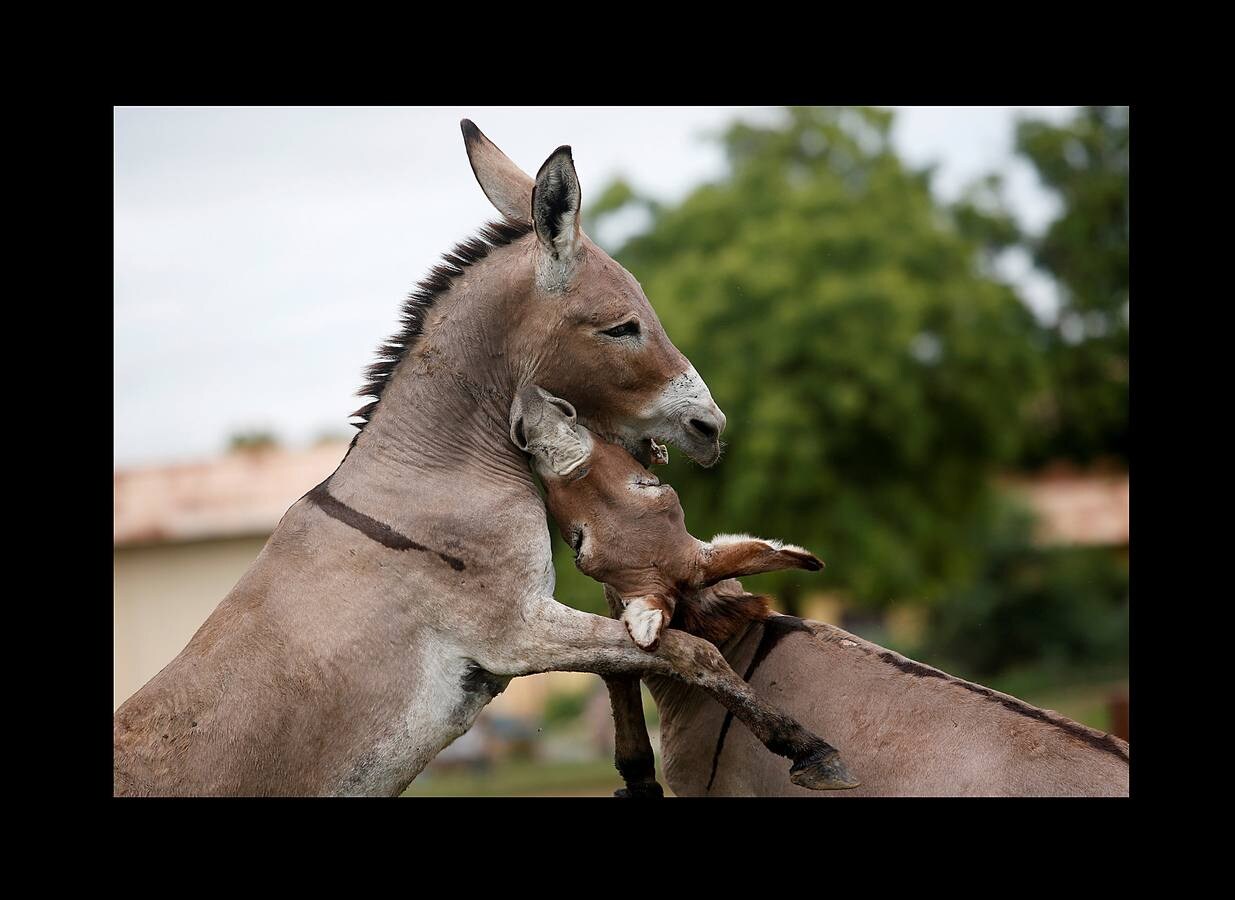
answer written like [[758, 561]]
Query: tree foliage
[[1083, 414], [1048, 607], [252, 440]]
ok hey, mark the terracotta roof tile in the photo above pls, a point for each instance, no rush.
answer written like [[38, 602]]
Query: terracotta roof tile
[[242, 493], [1079, 508]]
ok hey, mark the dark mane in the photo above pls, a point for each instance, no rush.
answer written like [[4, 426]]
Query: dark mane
[[423, 296]]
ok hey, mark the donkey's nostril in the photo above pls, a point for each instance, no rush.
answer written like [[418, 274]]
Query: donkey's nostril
[[707, 429]]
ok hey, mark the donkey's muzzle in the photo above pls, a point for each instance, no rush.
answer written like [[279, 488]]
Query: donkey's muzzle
[[685, 414], [701, 430]]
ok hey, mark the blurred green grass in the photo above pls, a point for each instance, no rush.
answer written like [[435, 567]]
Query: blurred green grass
[[524, 778]]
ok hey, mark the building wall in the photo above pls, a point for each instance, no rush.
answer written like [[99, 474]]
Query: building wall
[[162, 593]]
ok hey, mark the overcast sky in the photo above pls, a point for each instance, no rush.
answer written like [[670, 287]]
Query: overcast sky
[[261, 255]]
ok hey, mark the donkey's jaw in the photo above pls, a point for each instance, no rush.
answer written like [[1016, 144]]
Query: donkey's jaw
[[683, 413], [649, 451]]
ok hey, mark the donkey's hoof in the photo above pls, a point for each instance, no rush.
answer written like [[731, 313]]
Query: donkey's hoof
[[822, 771], [643, 789]]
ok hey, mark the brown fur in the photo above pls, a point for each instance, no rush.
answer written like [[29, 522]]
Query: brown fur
[[629, 530], [718, 613]]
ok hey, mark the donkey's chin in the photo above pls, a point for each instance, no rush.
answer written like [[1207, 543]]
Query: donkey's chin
[[647, 451], [706, 453], [707, 457], [651, 452]]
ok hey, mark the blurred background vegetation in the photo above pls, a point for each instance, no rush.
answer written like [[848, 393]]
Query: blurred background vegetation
[[879, 377]]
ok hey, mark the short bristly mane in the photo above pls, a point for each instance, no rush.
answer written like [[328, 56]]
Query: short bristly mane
[[422, 297]]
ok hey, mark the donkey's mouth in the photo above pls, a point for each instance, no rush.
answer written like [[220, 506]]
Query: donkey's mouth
[[705, 451], [696, 428], [646, 450], [650, 452]]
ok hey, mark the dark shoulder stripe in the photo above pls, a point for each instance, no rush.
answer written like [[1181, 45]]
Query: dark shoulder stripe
[[774, 628], [372, 528]]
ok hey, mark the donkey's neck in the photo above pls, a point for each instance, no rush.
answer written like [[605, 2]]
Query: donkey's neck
[[349, 653], [441, 425]]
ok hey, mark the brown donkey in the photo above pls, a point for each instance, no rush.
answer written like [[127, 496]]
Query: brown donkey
[[628, 532], [394, 600]]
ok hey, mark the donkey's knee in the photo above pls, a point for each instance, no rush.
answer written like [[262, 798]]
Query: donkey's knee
[[696, 660]]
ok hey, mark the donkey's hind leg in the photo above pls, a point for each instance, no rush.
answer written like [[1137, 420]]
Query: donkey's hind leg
[[632, 748]]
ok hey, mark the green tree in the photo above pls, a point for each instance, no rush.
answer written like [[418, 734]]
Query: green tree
[[252, 440], [1083, 414], [873, 375], [1057, 609]]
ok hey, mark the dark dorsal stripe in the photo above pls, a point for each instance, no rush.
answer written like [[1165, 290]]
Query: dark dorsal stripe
[[1074, 729], [777, 627], [372, 528], [774, 628]]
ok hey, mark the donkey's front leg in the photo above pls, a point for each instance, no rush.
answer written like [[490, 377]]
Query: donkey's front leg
[[565, 640]]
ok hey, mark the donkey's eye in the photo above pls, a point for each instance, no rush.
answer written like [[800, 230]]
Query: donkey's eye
[[626, 329]]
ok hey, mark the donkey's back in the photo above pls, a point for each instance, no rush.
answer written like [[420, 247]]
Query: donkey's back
[[904, 728]]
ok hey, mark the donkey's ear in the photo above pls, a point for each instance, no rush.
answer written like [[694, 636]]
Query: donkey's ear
[[735, 555], [543, 426], [507, 186], [533, 411], [555, 205], [563, 407], [518, 431]]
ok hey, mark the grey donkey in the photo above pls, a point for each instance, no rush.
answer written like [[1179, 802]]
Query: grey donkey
[[395, 599]]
